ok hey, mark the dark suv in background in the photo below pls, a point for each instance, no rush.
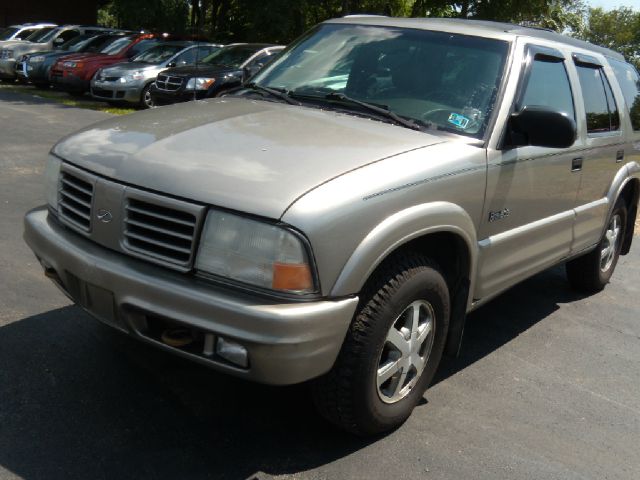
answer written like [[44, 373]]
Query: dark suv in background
[[219, 72]]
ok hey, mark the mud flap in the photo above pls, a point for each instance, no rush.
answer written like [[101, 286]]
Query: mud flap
[[458, 318]]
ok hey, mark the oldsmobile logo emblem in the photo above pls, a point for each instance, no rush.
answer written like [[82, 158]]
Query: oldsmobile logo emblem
[[105, 216]]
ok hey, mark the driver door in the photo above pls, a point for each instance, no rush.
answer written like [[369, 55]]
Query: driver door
[[528, 215]]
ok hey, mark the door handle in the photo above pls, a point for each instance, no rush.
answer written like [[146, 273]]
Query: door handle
[[619, 156], [576, 164]]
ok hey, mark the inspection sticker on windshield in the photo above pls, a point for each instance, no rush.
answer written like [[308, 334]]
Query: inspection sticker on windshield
[[458, 120]]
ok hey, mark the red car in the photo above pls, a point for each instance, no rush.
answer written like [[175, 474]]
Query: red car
[[73, 73]]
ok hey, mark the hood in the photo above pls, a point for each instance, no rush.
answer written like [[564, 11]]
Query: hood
[[199, 70], [127, 67], [28, 47], [90, 57], [247, 155]]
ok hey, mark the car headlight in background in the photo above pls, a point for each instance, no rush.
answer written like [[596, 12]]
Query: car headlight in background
[[131, 77], [36, 59], [254, 252], [199, 83], [51, 176], [6, 54], [70, 64]]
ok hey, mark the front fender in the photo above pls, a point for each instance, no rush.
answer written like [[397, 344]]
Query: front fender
[[397, 230]]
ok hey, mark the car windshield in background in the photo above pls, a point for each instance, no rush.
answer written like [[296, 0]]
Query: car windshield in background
[[435, 78], [233, 56], [7, 33], [159, 54], [117, 46], [38, 35], [49, 35], [76, 43]]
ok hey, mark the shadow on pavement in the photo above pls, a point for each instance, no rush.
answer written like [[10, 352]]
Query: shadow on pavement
[[78, 400]]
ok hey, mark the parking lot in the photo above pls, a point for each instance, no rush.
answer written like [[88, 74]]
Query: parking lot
[[547, 386]]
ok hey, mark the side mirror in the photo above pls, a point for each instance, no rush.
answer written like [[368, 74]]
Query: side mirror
[[58, 41], [540, 127], [248, 72]]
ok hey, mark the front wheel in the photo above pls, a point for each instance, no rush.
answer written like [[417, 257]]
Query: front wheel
[[391, 351], [592, 271], [146, 100]]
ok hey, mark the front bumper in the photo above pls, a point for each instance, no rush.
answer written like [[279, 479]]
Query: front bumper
[[113, 92], [287, 342], [8, 68], [68, 81], [164, 97]]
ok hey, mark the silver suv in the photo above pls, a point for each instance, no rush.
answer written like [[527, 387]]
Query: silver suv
[[336, 218]]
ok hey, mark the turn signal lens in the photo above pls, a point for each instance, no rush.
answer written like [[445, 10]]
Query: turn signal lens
[[292, 277]]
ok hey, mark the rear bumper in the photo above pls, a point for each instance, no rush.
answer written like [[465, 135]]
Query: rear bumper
[[286, 342]]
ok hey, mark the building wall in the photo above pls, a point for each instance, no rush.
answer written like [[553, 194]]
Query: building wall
[[67, 11]]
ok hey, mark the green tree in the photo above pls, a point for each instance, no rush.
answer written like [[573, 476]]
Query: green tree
[[617, 29]]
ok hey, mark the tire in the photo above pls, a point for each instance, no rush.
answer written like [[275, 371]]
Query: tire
[[590, 273], [350, 395], [146, 101]]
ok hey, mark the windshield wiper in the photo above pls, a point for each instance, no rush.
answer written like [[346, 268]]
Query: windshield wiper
[[380, 110], [271, 91]]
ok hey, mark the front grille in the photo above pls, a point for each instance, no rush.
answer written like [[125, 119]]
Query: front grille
[[160, 232], [168, 83], [75, 197]]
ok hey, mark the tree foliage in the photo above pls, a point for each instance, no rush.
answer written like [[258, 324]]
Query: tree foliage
[[280, 21]]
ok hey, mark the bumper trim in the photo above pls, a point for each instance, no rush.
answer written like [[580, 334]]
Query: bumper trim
[[287, 342]]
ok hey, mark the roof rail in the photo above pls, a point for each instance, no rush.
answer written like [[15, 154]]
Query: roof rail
[[360, 15]]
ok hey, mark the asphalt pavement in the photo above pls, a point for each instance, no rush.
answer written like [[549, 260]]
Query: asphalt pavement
[[547, 386]]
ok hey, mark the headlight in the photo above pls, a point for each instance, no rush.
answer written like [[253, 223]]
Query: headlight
[[70, 64], [36, 59], [7, 53], [51, 175], [254, 252], [199, 83], [132, 77]]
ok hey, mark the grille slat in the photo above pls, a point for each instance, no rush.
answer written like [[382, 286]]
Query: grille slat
[[150, 213], [159, 231], [77, 199], [168, 83], [74, 201]]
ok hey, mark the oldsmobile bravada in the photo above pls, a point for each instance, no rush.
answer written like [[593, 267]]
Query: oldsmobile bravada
[[336, 218]]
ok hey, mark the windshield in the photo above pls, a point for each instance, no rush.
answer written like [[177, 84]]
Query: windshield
[[439, 79], [158, 54], [37, 36], [49, 35], [117, 46], [76, 43], [233, 56], [8, 33]]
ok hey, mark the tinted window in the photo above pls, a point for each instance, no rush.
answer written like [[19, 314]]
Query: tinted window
[[595, 99], [38, 35], [68, 35], [629, 81], [548, 86], [24, 34], [8, 33], [187, 58], [234, 55], [158, 54], [141, 47]]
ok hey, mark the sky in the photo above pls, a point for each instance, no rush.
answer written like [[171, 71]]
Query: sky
[[611, 4]]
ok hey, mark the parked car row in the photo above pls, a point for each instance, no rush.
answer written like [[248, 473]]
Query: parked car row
[[142, 69]]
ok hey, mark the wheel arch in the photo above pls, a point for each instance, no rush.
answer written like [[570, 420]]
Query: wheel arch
[[630, 192], [441, 230]]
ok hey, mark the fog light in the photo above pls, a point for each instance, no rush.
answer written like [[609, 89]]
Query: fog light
[[233, 352]]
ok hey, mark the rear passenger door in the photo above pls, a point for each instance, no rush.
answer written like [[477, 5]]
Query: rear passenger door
[[531, 191], [604, 148]]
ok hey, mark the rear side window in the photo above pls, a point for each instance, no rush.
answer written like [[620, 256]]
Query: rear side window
[[548, 86], [629, 81], [599, 104]]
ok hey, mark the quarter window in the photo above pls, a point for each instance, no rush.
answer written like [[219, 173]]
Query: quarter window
[[599, 104], [629, 81], [548, 86]]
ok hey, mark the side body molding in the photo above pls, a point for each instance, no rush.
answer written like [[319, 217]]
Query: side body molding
[[397, 230]]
